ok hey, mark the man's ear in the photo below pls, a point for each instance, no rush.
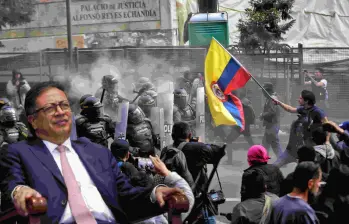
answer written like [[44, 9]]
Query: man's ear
[[311, 183], [190, 135], [32, 121]]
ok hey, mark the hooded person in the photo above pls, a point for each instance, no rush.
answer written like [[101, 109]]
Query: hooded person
[[257, 158]]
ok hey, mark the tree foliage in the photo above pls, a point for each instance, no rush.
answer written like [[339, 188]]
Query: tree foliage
[[16, 12], [265, 22]]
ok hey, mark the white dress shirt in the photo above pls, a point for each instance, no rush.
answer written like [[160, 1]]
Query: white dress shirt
[[90, 193]]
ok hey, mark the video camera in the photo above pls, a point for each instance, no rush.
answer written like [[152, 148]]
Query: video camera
[[217, 197]]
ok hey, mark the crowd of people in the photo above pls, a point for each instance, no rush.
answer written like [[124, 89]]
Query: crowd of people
[[100, 177]]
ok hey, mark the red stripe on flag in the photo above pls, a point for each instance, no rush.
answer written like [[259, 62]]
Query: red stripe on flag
[[237, 102], [238, 81]]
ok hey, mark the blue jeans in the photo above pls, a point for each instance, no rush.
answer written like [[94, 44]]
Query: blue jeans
[[271, 139]]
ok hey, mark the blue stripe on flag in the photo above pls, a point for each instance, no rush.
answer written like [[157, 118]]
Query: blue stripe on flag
[[228, 74], [233, 110]]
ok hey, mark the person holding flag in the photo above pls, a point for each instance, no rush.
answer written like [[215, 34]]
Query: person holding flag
[[224, 74]]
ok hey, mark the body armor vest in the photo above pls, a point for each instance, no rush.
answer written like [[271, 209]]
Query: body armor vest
[[187, 114], [140, 135], [95, 131]]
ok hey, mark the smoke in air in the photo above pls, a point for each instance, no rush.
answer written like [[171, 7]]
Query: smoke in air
[[88, 80]]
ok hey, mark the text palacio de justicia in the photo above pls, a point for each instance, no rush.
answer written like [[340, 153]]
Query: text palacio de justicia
[[122, 10]]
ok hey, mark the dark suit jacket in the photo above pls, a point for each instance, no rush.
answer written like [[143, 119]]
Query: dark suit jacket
[[31, 163]]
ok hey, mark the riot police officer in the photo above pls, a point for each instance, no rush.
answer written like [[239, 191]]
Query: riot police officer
[[110, 98], [145, 87], [11, 130], [93, 123], [146, 102], [140, 132], [190, 82], [182, 110]]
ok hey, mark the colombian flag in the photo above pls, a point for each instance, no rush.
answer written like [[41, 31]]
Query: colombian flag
[[223, 74]]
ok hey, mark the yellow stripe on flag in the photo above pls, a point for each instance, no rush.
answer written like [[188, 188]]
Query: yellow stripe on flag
[[216, 60]]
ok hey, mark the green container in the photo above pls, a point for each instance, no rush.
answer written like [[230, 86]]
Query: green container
[[203, 26]]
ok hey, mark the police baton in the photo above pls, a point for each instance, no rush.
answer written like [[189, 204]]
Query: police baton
[[102, 95], [139, 93]]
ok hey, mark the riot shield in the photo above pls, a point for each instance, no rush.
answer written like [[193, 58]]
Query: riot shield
[[200, 113], [157, 120], [165, 100], [121, 121], [73, 134], [164, 86]]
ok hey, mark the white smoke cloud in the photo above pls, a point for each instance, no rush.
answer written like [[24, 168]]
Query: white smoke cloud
[[88, 79]]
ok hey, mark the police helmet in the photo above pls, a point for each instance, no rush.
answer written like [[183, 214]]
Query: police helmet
[[4, 102], [109, 81], [8, 114], [91, 102], [146, 102], [92, 108], [82, 99], [142, 81], [135, 114], [180, 98]]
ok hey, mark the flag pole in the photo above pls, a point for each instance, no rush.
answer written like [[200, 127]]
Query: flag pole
[[253, 78]]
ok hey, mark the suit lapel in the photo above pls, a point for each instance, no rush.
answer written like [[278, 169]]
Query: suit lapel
[[87, 157], [43, 154]]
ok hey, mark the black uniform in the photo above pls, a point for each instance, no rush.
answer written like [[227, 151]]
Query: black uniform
[[182, 111], [93, 124], [140, 131]]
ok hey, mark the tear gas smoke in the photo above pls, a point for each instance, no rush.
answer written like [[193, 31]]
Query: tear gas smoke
[[88, 81]]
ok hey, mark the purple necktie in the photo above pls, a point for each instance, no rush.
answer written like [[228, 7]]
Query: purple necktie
[[81, 213]]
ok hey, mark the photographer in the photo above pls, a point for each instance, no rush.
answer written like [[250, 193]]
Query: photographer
[[16, 89], [121, 151], [197, 154]]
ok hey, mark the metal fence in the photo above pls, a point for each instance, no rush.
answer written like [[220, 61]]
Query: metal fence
[[282, 66], [335, 62]]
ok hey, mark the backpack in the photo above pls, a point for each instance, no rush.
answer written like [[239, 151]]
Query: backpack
[[169, 154], [175, 161]]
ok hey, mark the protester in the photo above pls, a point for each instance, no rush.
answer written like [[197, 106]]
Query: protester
[[319, 87], [316, 116], [327, 157], [257, 206], [304, 153], [257, 158], [294, 207]]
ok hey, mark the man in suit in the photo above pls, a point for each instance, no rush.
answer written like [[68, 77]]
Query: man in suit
[[80, 180]]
